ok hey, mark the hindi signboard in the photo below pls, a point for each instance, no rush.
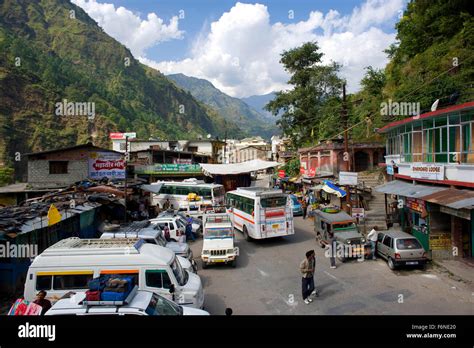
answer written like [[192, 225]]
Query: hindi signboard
[[106, 164], [347, 179], [122, 136], [427, 171], [169, 168]]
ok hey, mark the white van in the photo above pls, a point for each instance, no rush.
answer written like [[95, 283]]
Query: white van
[[69, 264]]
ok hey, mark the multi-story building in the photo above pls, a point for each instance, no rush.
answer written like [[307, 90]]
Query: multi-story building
[[430, 159]]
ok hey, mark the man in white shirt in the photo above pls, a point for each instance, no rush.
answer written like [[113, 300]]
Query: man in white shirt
[[372, 237]]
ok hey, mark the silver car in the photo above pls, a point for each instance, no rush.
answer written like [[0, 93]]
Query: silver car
[[400, 249]]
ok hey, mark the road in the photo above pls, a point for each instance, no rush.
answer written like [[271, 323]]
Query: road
[[267, 281]]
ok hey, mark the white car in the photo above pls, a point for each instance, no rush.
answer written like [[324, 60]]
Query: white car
[[142, 303], [218, 240]]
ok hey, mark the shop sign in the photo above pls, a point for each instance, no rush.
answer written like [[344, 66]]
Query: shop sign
[[416, 204], [182, 161], [347, 179], [106, 164], [122, 136], [169, 169], [390, 170], [440, 241], [427, 171], [358, 213], [311, 172]]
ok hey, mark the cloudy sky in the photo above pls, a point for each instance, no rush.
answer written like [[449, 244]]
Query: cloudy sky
[[237, 45]]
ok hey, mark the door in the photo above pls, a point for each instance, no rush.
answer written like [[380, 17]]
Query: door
[[388, 246], [380, 245], [159, 281]]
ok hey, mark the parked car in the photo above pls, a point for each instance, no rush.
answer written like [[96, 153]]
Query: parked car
[[296, 206], [350, 242], [181, 216], [400, 249], [142, 303]]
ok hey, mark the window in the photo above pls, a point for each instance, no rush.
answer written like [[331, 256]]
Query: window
[[43, 282], [58, 167], [192, 149], [380, 237], [160, 306], [408, 243], [154, 279], [274, 202], [72, 281], [388, 241]]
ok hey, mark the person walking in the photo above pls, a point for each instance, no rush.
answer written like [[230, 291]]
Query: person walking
[[304, 205], [42, 301], [372, 237], [307, 268], [189, 231], [166, 205], [166, 232]]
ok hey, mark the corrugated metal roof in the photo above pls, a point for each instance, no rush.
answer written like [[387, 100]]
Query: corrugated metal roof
[[453, 198], [405, 189]]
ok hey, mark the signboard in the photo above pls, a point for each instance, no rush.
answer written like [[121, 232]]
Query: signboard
[[169, 169], [106, 164], [440, 241], [347, 179], [281, 173], [358, 213], [182, 161], [390, 170], [427, 171], [121, 136], [416, 204], [302, 170]]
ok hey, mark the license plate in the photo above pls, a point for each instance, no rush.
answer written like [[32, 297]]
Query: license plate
[[218, 260], [275, 225], [412, 263]]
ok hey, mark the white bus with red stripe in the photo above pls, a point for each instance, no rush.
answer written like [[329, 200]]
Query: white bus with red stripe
[[260, 212]]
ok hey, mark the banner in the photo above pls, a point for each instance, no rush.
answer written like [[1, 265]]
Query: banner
[[427, 171], [121, 136], [106, 164], [53, 215]]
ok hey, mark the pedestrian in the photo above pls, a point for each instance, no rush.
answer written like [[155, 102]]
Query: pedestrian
[[42, 301], [167, 204], [307, 268], [332, 249], [372, 237], [189, 230], [166, 231], [304, 205], [181, 237]]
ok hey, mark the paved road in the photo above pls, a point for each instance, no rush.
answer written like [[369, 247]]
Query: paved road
[[267, 281]]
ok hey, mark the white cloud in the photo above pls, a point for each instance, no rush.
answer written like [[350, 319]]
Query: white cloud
[[240, 52], [128, 28]]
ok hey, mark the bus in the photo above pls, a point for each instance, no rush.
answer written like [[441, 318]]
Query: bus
[[178, 193], [260, 213]]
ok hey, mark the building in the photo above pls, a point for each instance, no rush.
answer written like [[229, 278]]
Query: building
[[430, 161], [238, 151], [281, 149], [329, 159]]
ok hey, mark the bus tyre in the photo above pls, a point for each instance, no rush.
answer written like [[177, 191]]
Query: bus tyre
[[246, 234]]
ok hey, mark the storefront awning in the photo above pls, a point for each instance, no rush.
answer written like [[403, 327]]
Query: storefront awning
[[153, 188], [452, 198], [331, 188], [237, 168], [405, 189]]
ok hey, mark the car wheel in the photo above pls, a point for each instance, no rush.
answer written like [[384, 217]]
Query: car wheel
[[391, 264], [204, 265], [233, 263], [246, 234]]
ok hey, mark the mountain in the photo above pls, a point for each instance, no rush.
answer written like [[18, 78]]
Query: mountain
[[232, 109], [51, 51], [258, 102]]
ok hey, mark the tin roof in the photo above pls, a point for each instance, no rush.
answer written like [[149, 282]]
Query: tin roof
[[335, 217], [453, 198], [405, 189]]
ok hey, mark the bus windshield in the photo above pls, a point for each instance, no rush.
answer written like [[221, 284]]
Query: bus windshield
[[216, 233], [273, 202]]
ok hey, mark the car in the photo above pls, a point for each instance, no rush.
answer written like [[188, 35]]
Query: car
[[181, 216], [141, 302], [400, 249], [296, 206]]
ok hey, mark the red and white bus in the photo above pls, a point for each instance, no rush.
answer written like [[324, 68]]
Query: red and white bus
[[260, 212]]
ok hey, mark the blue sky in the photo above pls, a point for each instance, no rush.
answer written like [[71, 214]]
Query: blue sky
[[240, 54]]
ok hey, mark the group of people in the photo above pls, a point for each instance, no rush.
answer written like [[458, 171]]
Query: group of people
[[308, 265]]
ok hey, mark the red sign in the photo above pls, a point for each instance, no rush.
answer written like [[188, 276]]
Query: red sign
[[302, 170], [312, 172], [281, 173]]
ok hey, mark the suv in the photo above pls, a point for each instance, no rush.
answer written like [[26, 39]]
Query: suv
[[196, 223], [400, 248], [174, 224], [140, 302]]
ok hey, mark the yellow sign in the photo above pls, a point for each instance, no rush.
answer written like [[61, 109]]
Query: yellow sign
[[53, 215], [440, 241]]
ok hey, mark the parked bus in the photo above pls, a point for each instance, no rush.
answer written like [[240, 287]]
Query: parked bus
[[260, 212], [179, 192]]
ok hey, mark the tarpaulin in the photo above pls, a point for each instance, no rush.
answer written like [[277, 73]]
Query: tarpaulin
[[237, 168], [331, 188]]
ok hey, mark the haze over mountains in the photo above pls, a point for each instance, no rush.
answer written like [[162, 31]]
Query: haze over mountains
[[250, 119]]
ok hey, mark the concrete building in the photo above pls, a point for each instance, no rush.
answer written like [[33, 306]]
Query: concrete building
[[430, 161]]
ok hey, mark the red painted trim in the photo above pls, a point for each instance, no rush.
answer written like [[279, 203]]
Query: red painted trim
[[274, 214], [426, 115], [243, 217], [441, 182]]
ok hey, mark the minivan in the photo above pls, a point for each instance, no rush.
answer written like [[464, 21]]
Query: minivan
[[400, 249]]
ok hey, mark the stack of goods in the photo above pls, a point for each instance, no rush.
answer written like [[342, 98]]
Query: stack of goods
[[23, 307], [109, 288]]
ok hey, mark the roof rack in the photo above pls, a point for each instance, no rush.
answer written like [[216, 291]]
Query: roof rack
[[77, 246], [128, 300]]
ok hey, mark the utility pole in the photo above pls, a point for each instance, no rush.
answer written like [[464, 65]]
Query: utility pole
[[126, 163], [347, 156]]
